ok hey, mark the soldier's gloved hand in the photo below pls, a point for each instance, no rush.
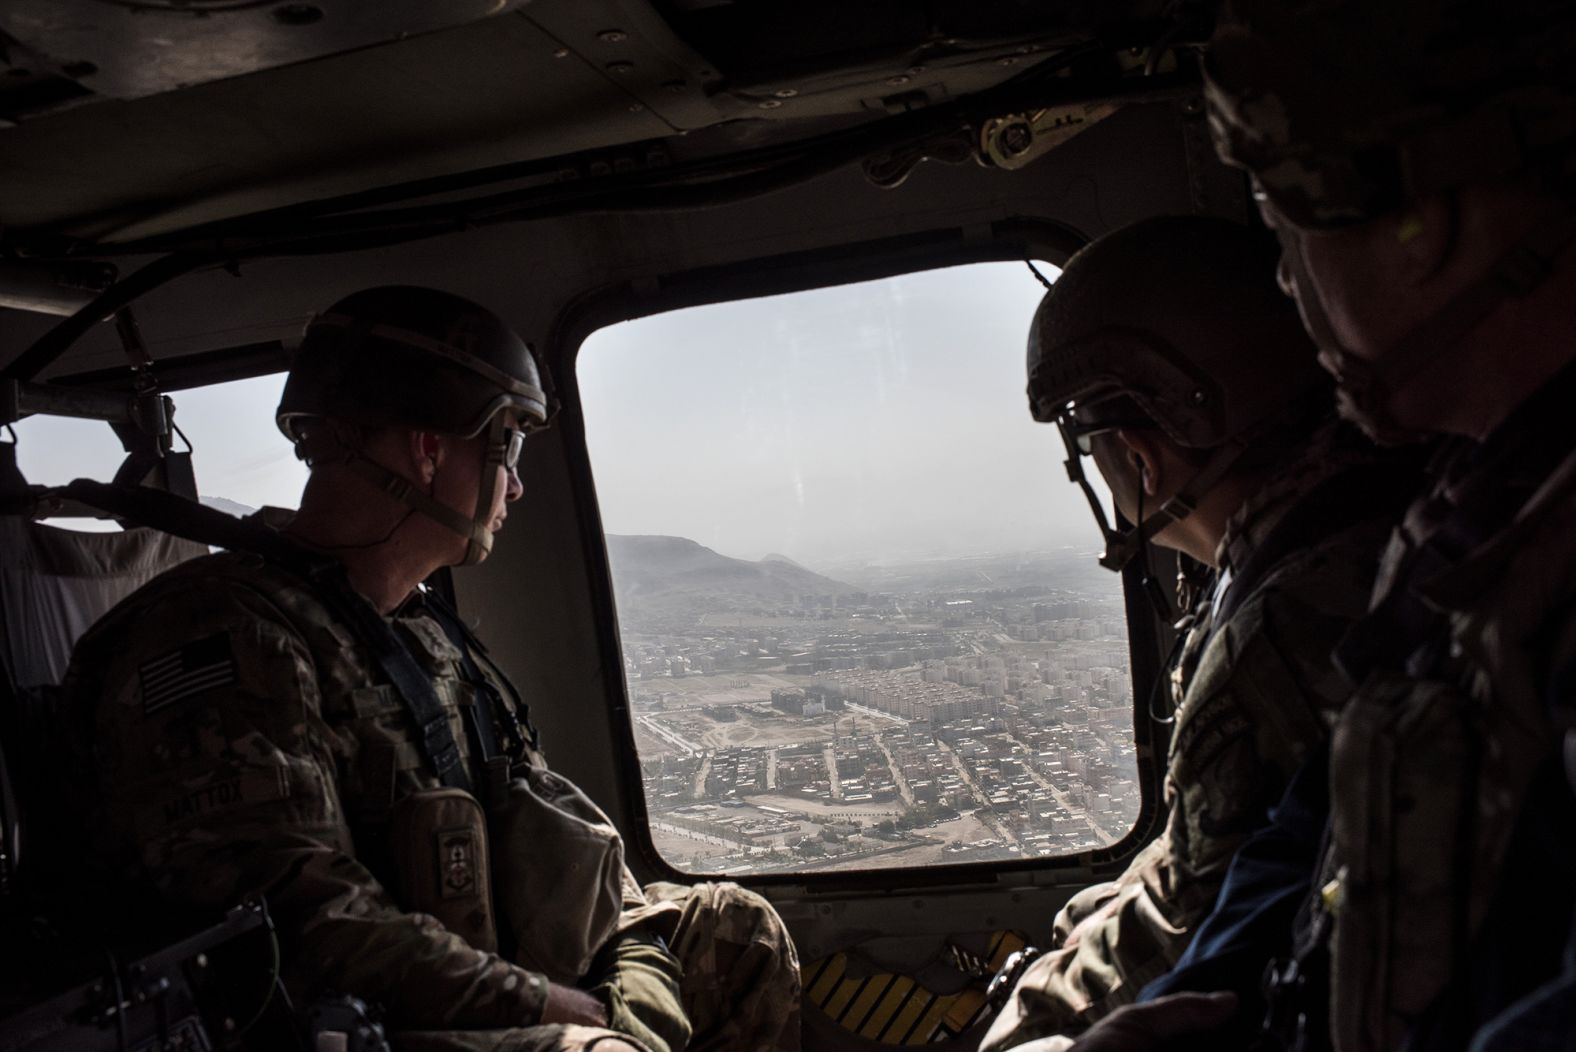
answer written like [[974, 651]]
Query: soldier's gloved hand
[[639, 981]]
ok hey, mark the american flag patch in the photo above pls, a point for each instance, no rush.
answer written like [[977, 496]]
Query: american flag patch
[[194, 668]]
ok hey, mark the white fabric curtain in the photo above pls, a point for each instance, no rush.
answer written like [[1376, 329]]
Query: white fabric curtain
[[55, 583]]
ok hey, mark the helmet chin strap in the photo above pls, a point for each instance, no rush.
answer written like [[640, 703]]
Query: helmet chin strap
[[1123, 546], [479, 534], [477, 529], [1366, 387]]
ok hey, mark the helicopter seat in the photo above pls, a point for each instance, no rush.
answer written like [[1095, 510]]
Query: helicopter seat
[[54, 584]]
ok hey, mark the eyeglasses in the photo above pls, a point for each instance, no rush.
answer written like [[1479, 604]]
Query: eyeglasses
[[1082, 435], [505, 442], [513, 443]]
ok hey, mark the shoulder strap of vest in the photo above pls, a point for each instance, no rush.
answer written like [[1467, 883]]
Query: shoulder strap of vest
[[1336, 504], [516, 718], [183, 518]]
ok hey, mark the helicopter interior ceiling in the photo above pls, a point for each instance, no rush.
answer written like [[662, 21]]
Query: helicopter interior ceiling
[[217, 108]]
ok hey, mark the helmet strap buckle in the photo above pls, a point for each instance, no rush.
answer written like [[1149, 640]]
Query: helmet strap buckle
[[1180, 506]]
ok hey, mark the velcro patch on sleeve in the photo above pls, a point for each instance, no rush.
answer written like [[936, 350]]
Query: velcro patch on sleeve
[[201, 666]]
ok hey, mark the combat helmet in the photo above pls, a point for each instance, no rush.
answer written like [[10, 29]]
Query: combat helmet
[[1173, 323], [415, 358], [1345, 110]]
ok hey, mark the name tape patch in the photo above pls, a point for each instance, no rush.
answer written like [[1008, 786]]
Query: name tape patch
[[196, 667]]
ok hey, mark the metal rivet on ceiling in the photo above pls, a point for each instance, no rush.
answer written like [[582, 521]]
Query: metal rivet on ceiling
[[562, 52], [1008, 61], [612, 36], [620, 67], [786, 93], [771, 104], [915, 71], [897, 81]]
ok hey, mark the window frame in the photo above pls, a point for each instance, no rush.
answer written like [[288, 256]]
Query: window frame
[[1148, 640]]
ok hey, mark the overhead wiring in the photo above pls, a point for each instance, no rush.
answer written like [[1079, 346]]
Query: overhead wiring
[[701, 183], [307, 230]]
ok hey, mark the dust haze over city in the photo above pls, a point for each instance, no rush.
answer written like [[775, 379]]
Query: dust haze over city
[[862, 622]]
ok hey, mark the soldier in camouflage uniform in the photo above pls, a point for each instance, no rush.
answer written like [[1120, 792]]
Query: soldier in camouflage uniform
[[1416, 158], [1166, 353], [240, 733], [1425, 200]]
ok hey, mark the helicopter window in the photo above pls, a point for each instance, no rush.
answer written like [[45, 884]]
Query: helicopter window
[[242, 460], [861, 618]]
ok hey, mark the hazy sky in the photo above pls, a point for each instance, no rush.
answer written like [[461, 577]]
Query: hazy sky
[[240, 454], [880, 421]]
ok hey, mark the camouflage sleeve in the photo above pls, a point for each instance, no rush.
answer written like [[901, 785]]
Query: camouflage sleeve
[[640, 911], [216, 777], [1110, 938], [1259, 700]]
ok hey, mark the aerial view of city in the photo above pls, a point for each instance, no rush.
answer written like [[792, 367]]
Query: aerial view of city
[[953, 710]]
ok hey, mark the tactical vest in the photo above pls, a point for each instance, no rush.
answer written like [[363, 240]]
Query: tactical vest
[[424, 840], [1431, 764], [398, 697], [538, 873]]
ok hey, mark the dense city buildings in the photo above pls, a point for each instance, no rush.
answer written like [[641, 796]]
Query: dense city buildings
[[914, 718]]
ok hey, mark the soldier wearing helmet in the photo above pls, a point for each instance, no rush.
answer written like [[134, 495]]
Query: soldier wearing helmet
[[1166, 354], [1416, 159], [444, 368], [1419, 163], [304, 721]]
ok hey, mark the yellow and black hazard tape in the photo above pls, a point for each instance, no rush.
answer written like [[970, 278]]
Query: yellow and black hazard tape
[[895, 1009]]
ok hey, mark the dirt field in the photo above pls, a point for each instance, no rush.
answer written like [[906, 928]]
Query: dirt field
[[689, 691], [650, 746], [966, 829], [755, 726], [872, 812], [772, 735], [681, 851], [689, 851]]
